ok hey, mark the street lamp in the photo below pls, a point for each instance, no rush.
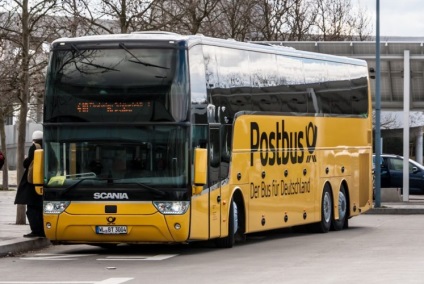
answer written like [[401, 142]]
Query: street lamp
[[377, 162]]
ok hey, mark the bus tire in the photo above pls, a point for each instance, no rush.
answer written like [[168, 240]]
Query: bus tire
[[228, 241], [339, 224], [326, 211]]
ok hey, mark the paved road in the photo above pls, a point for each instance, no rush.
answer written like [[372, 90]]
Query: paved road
[[375, 249]]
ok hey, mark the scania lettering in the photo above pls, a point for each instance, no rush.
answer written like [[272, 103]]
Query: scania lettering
[[115, 195], [156, 137]]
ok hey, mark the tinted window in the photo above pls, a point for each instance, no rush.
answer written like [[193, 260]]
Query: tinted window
[[199, 100], [396, 164], [241, 80], [119, 84]]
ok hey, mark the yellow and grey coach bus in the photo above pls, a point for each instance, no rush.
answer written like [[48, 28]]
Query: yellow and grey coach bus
[[155, 137]]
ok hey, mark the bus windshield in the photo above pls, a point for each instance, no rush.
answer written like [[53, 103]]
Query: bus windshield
[[153, 156], [116, 83]]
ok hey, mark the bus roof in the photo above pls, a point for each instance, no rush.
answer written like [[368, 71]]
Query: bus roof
[[191, 40]]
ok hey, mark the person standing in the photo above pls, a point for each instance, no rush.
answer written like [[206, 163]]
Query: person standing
[[2, 158], [26, 193]]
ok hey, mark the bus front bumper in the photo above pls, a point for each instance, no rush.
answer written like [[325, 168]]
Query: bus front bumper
[[108, 228]]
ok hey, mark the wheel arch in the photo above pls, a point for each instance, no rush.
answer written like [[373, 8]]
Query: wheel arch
[[238, 198], [325, 210], [347, 191], [340, 222], [335, 189]]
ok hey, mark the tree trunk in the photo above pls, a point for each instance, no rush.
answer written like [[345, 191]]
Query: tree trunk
[[24, 95], [5, 185]]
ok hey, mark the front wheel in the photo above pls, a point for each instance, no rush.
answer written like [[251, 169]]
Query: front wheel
[[326, 211], [228, 241]]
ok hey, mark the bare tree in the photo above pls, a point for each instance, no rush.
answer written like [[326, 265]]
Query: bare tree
[[110, 16], [233, 19], [271, 19], [75, 19], [188, 16], [333, 19], [361, 23], [131, 15], [339, 20], [8, 96], [23, 26], [301, 18], [388, 120]]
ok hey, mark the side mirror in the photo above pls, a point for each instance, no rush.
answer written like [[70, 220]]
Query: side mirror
[[200, 169], [38, 171]]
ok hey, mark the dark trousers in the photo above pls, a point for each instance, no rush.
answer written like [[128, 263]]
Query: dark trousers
[[35, 218]]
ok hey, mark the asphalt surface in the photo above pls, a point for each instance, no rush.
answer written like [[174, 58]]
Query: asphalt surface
[[12, 241]]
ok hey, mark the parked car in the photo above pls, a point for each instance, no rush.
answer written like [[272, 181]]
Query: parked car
[[392, 173]]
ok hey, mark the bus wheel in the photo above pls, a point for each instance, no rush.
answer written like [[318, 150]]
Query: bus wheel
[[326, 211], [228, 241], [338, 225]]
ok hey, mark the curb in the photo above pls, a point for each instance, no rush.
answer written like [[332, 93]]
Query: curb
[[14, 246], [396, 211]]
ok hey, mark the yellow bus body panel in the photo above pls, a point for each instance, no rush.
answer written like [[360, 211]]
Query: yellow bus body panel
[[199, 230], [320, 150], [144, 224]]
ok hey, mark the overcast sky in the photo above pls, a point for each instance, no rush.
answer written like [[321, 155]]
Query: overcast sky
[[397, 17]]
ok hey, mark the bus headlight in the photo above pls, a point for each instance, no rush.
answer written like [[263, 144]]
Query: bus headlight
[[171, 207], [55, 207]]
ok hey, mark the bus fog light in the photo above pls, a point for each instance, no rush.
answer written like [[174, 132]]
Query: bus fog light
[[177, 226], [48, 225]]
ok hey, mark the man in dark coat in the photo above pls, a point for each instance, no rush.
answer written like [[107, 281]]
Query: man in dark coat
[[26, 193], [2, 158]]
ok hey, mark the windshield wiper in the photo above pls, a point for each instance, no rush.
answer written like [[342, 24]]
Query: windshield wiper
[[150, 189], [98, 66], [137, 60], [74, 47], [79, 54], [74, 185], [112, 181]]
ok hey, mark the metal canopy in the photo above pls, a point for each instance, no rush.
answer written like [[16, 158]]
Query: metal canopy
[[392, 66]]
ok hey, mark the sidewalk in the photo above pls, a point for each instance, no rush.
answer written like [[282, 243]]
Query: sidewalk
[[12, 241], [11, 235], [415, 205]]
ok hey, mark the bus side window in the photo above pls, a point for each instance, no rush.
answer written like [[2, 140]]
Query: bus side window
[[214, 156], [226, 139]]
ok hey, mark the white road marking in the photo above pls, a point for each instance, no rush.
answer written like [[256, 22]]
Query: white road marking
[[139, 257], [114, 280], [55, 256], [106, 281]]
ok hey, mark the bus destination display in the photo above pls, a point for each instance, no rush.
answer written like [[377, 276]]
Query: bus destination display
[[115, 107]]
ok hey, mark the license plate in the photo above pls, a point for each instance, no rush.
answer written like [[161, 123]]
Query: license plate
[[111, 230]]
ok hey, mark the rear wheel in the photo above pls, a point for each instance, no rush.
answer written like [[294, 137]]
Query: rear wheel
[[228, 241], [326, 211], [342, 207]]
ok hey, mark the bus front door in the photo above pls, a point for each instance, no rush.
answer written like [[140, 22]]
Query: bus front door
[[214, 182]]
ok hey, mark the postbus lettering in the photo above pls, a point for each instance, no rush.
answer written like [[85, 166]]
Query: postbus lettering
[[280, 146]]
